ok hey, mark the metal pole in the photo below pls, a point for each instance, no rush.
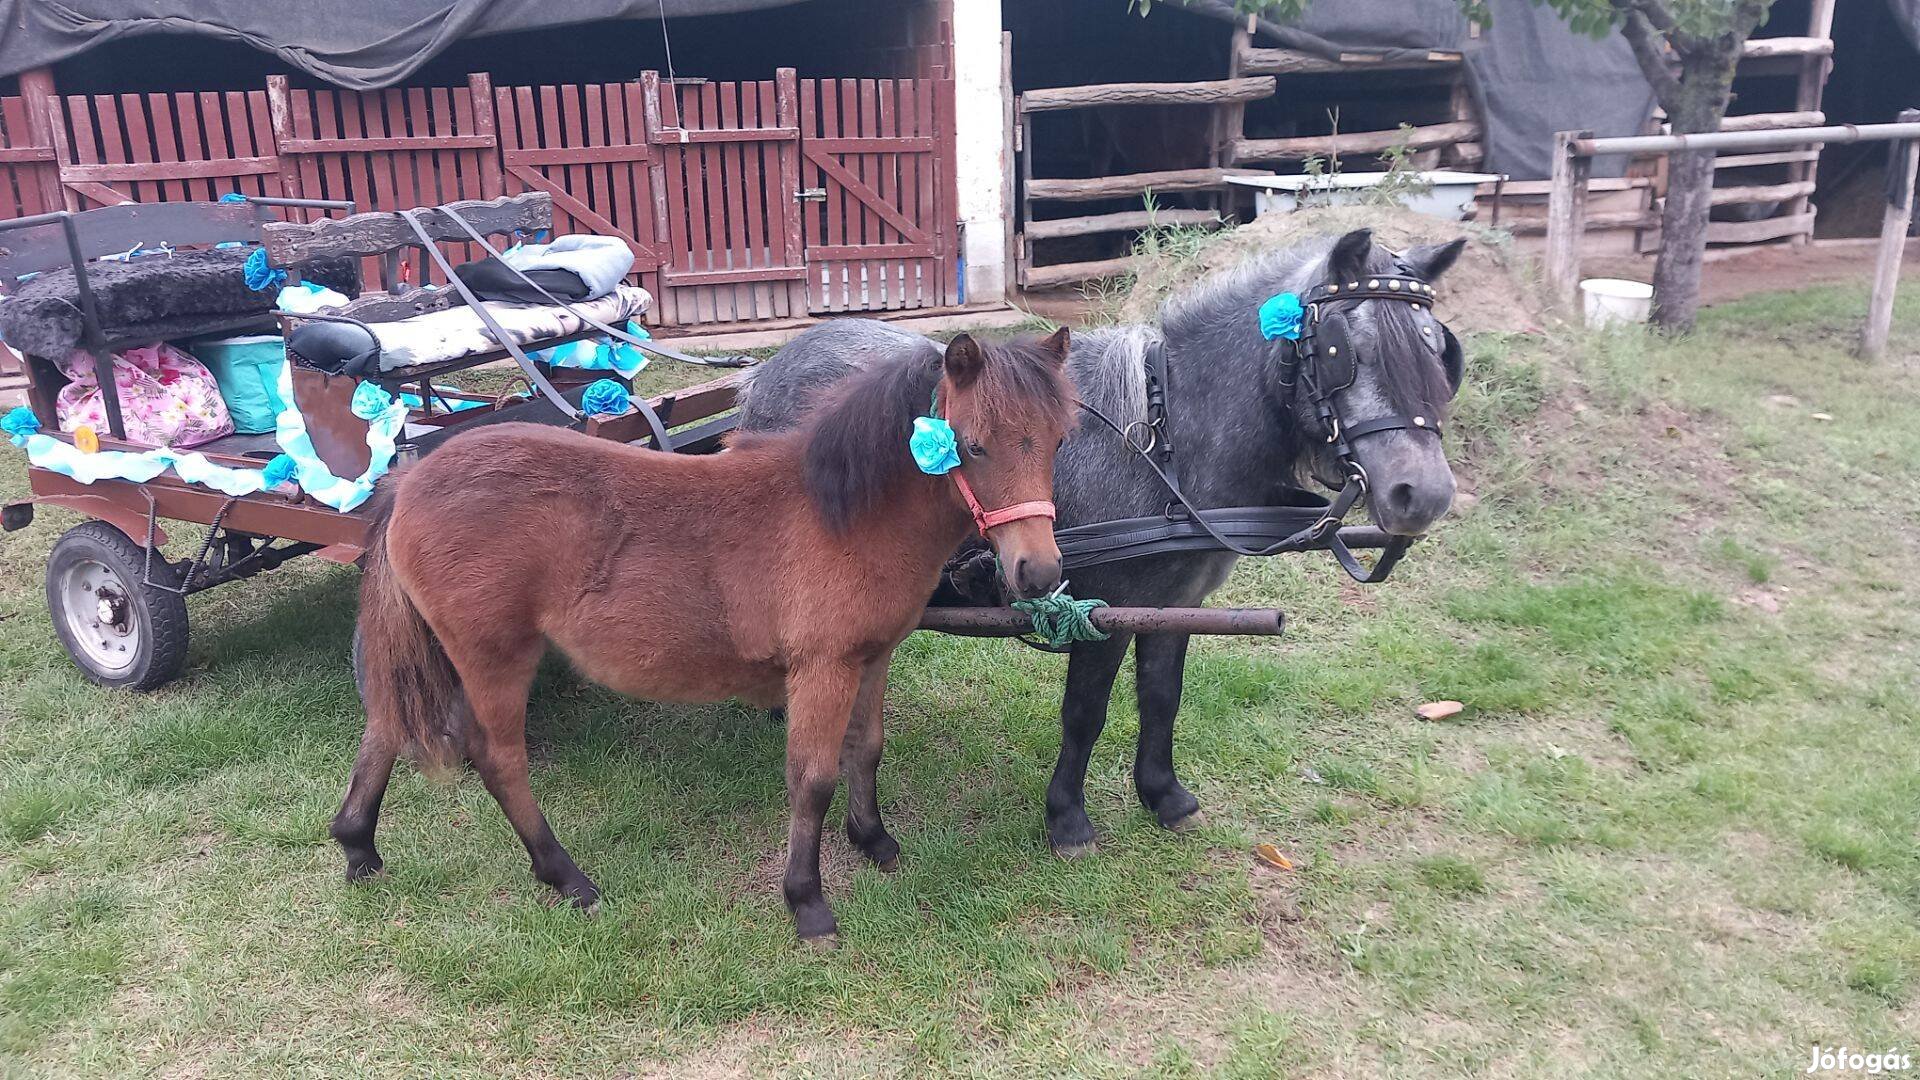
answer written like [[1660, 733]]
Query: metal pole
[[1770, 139], [1903, 163], [1006, 622]]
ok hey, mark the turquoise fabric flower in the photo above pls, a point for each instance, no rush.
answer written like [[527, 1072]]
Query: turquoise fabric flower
[[605, 398], [1281, 317], [233, 197], [370, 401], [261, 277], [934, 447], [19, 424], [279, 470]]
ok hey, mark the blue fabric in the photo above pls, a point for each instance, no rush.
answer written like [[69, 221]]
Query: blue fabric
[[260, 276], [279, 470], [1281, 317], [369, 401], [602, 354], [934, 447], [47, 452], [314, 476], [248, 371], [19, 423], [605, 398], [448, 404], [233, 197]]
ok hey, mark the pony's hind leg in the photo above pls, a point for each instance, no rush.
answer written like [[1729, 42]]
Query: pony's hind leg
[[1083, 714], [353, 826], [820, 700], [497, 687], [1160, 668], [860, 762]]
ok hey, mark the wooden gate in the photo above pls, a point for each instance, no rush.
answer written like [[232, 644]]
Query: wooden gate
[[879, 196], [154, 147], [587, 147], [724, 179]]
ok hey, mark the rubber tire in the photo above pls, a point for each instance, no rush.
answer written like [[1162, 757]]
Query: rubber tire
[[160, 615]]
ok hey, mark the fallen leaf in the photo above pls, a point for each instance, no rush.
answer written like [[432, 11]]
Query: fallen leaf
[[1312, 776], [1439, 710], [1821, 416], [1271, 856]]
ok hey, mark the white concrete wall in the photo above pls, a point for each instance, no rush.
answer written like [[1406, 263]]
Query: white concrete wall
[[981, 139]]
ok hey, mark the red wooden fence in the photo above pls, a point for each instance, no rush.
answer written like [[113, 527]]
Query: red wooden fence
[[741, 200]]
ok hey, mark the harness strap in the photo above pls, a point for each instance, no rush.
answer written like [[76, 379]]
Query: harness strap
[[984, 519], [535, 377], [1159, 388]]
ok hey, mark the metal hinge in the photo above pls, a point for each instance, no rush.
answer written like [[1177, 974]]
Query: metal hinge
[[812, 194]]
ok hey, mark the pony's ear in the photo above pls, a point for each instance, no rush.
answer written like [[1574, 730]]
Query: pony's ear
[[964, 360], [1429, 261], [1348, 260], [1056, 345]]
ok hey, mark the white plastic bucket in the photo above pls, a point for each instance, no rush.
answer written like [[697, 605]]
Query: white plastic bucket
[[1616, 301]]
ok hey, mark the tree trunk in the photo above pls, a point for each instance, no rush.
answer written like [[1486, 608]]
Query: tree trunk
[[1699, 103]]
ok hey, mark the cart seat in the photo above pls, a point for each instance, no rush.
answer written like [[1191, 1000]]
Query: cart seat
[[436, 337]]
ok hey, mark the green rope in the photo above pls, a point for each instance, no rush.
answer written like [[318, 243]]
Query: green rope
[[1060, 620]]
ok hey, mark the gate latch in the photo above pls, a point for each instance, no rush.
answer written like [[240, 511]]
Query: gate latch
[[812, 194]]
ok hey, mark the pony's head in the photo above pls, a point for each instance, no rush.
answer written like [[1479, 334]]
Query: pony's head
[[1010, 407], [1400, 362]]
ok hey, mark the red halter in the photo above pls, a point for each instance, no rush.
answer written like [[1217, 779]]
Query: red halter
[[984, 519]]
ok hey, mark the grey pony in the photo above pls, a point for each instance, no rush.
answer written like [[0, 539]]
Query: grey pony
[[1242, 437]]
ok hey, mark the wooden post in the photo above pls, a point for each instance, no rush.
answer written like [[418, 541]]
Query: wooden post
[[280, 109], [1009, 121], [1567, 219], [36, 90], [493, 180], [793, 238], [1903, 164]]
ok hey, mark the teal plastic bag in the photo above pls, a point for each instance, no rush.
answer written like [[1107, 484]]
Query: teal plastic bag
[[248, 371]]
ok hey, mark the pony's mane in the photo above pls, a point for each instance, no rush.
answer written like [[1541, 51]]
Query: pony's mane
[[1230, 298], [856, 442]]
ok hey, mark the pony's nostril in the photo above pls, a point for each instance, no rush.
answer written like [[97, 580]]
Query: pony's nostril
[[1400, 497]]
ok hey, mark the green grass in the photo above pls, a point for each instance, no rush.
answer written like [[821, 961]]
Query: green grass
[[1674, 832]]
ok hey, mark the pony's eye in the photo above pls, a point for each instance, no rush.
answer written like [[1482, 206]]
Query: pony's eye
[[974, 449]]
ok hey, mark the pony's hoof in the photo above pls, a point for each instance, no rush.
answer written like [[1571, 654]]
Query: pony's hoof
[[887, 866], [584, 895], [1193, 820], [367, 869], [815, 925], [1076, 851], [828, 942]]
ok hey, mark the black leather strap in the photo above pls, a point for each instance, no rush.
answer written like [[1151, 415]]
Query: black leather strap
[[1159, 392], [535, 377]]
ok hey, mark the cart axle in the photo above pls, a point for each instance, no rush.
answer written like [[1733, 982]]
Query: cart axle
[[1006, 622]]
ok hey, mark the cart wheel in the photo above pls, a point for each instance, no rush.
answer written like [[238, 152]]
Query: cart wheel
[[120, 632]]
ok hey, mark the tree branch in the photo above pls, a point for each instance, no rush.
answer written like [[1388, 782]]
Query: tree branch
[[1649, 48]]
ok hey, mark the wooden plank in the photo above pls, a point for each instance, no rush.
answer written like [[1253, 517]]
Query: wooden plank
[[1777, 157], [1751, 232], [1121, 186], [1043, 277], [158, 173], [139, 146], [1765, 121], [581, 155], [1214, 92], [947, 211], [1595, 221], [836, 230], [250, 119], [217, 141], [887, 250], [920, 276], [1263, 61], [1357, 142], [43, 120], [733, 179], [1566, 219], [374, 232], [1763, 48], [1120, 222], [697, 136], [486, 125], [786, 90], [752, 191], [1904, 164], [875, 144], [385, 143], [166, 147], [1756, 193], [16, 155], [665, 169], [77, 124], [730, 277]]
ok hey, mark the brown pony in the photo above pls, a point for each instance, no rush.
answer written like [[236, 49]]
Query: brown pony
[[782, 571]]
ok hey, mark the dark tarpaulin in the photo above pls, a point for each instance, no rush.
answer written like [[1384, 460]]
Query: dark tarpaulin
[[1530, 74], [1907, 14], [356, 44]]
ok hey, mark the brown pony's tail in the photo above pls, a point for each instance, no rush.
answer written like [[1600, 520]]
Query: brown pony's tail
[[412, 694]]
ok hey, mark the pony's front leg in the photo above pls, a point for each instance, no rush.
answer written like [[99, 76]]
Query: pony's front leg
[[1160, 669], [860, 762], [820, 699], [1083, 714]]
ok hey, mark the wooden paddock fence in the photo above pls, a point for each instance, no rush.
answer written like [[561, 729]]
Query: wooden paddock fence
[[742, 201]]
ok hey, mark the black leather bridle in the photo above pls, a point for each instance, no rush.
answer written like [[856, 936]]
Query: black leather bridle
[[1322, 362]]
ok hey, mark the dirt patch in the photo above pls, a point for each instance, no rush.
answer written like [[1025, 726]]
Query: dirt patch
[[1490, 288]]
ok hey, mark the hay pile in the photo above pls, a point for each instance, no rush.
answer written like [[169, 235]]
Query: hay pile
[[1491, 288]]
